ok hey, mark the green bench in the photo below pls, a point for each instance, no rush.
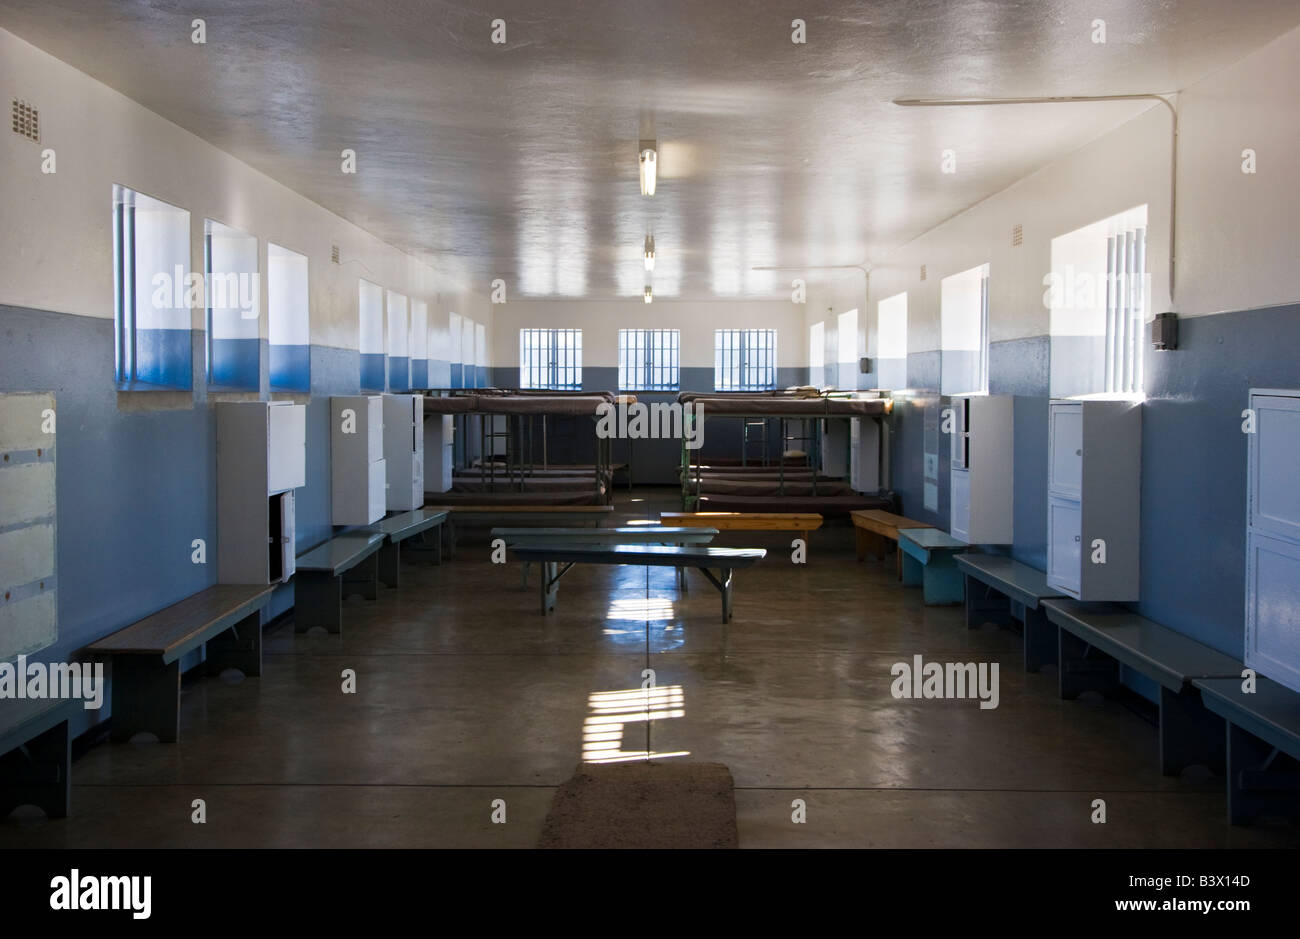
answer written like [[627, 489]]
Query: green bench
[[928, 562], [36, 755], [146, 681], [327, 574], [999, 590], [1262, 744], [1094, 640], [400, 527], [724, 560]]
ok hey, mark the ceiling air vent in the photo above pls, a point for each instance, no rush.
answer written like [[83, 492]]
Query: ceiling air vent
[[1017, 236], [334, 253], [27, 121], [922, 272]]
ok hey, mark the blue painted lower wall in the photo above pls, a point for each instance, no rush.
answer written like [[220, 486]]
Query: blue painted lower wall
[[1193, 552]]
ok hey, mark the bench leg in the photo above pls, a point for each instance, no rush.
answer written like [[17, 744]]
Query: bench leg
[[941, 580], [985, 605], [239, 647], [860, 543], [525, 573], [39, 773], [550, 585], [146, 697], [1255, 788], [1082, 668], [1040, 641], [317, 601], [363, 579], [723, 582], [390, 563], [1189, 733], [912, 572]]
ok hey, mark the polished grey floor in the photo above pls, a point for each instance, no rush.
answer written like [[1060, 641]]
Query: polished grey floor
[[466, 695]]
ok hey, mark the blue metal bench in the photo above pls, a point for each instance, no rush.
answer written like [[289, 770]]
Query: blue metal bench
[[634, 534], [927, 556], [400, 527], [999, 590], [36, 755], [1094, 640], [346, 564], [1262, 743], [723, 560]]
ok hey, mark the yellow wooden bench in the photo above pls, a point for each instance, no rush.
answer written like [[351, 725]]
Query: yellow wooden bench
[[873, 527], [802, 522]]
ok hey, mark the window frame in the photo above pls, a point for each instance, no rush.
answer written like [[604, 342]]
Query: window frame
[[743, 354], [648, 344], [532, 365]]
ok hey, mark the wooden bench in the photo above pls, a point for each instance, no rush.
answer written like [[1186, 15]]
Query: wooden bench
[[36, 755], [928, 562], [874, 528], [999, 590], [1188, 732], [724, 560], [635, 534], [802, 522], [327, 574], [1262, 745], [146, 681], [398, 528]]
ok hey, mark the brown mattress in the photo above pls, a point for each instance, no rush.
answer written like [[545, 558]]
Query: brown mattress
[[746, 406], [460, 404], [825, 505], [504, 483], [512, 498], [772, 487]]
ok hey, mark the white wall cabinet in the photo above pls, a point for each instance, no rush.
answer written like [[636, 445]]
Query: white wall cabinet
[[404, 451], [1094, 490], [261, 460], [358, 477], [439, 432], [981, 507], [1273, 537]]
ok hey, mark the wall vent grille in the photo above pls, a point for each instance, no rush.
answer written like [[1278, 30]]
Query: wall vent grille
[[1017, 236], [27, 121], [334, 253], [922, 272]]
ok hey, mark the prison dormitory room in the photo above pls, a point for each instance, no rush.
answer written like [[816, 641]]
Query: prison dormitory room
[[865, 425]]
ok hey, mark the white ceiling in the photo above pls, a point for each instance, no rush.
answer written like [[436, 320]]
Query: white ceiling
[[519, 160]]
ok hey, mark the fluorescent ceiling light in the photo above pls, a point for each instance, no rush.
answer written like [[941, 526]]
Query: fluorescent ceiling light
[[649, 294], [648, 158], [649, 252]]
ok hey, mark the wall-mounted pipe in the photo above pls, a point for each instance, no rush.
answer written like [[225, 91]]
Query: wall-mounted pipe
[[1076, 99]]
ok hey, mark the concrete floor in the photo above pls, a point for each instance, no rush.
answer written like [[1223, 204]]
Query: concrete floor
[[466, 695]]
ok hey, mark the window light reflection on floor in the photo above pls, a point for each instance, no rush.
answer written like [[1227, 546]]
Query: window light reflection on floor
[[602, 732]]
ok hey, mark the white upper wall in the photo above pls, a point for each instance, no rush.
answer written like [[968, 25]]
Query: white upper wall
[[56, 246], [600, 321], [1235, 235]]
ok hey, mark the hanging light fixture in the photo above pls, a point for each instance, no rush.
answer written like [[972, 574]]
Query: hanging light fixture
[[649, 294], [648, 158], [649, 252]]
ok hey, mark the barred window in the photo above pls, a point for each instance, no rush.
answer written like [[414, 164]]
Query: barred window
[[550, 359], [649, 359], [744, 359]]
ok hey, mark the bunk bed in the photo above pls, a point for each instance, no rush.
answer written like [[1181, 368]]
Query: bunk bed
[[513, 464], [795, 481]]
